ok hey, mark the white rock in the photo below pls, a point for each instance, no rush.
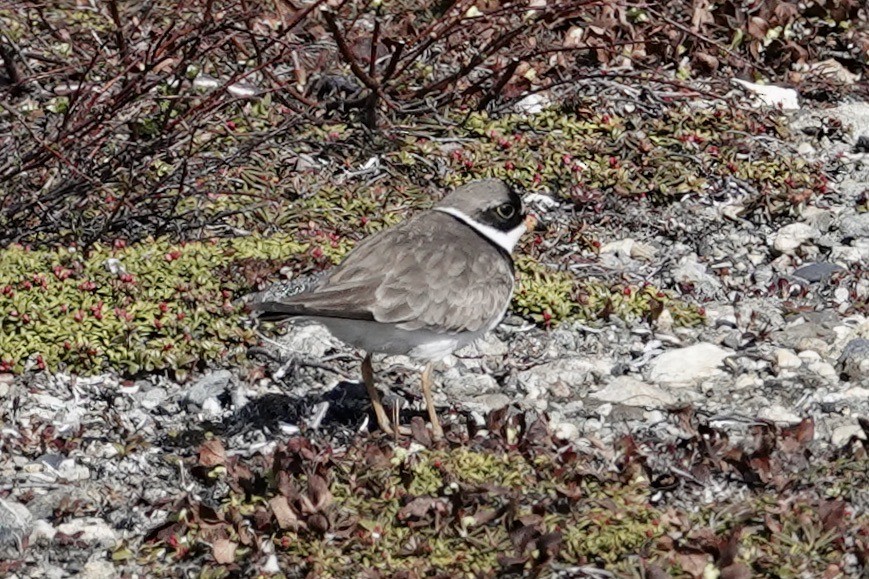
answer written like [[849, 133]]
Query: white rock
[[688, 366], [98, 570], [69, 470], [778, 413], [792, 236], [809, 356], [824, 370], [242, 90], [644, 251], [857, 393], [749, 380], [690, 270], [787, 360], [620, 247], [210, 385], [856, 253], [211, 408], [665, 321], [42, 530], [653, 417], [540, 202], [485, 403], [205, 82], [770, 95], [271, 566], [488, 345], [16, 523], [533, 104], [569, 371], [629, 391], [566, 431], [842, 434], [92, 529], [312, 339]]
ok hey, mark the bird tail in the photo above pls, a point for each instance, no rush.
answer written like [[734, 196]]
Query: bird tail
[[271, 311]]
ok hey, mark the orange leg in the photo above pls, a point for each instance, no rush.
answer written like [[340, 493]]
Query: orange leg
[[368, 378], [436, 430]]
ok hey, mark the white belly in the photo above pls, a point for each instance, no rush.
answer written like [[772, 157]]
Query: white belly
[[387, 339]]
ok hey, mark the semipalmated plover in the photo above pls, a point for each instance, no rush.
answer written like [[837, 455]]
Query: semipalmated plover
[[422, 288]]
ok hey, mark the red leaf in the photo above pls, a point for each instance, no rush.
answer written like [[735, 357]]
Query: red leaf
[[212, 453]]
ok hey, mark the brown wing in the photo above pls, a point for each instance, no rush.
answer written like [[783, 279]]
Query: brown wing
[[423, 273]]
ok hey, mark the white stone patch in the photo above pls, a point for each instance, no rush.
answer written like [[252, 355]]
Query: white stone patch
[[688, 366], [629, 391]]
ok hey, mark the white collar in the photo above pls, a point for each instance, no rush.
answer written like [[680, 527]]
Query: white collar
[[506, 240]]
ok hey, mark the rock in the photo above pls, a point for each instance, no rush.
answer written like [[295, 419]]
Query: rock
[[16, 523], [71, 471], [309, 338], [824, 370], [271, 566], [533, 104], [98, 570], [205, 82], [629, 391], [209, 386], [540, 203], [152, 398], [489, 345], [854, 360], [787, 360], [855, 254], [566, 431], [856, 225], [457, 384], [771, 95], [689, 271], [211, 408], [624, 249], [486, 403], [243, 90], [749, 380], [820, 219], [857, 393], [816, 272], [665, 322], [620, 248], [779, 414], [804, 336], [833, 71], [572, 372], [90, 530], [843, 434], [790, 237], [688, 366]]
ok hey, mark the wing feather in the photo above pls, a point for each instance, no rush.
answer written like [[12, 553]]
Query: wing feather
[[423, 273]]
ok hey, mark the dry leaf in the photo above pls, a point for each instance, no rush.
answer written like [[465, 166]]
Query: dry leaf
[[284, 513], [212, 453], [224, 551]]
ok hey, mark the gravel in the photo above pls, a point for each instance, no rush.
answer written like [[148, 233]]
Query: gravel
[[786, 338]]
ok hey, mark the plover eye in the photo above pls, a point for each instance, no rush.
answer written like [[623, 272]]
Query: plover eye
[[505, 211]]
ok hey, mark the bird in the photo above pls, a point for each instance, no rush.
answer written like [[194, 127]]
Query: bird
[[424, 287]]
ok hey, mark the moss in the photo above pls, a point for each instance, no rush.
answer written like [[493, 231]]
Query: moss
[[151, 306], [579, 151], [548, 297]]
